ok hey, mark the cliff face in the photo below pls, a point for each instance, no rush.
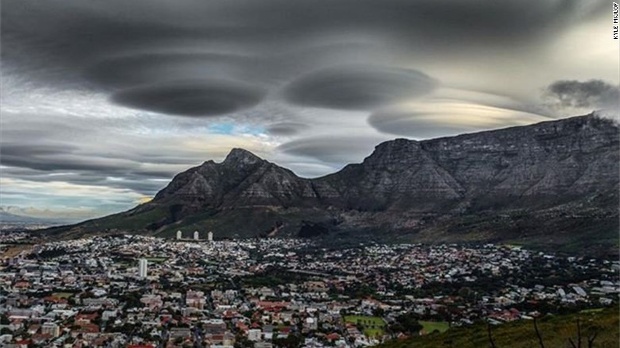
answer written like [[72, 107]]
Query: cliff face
[[497, 184], [569, 157], [521, 167]]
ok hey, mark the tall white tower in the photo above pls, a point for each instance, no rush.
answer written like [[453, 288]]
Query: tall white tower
[[210, 236], [196, 235], [143, 268], [179, 234]]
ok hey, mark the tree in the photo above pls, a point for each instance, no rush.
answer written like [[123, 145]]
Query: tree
[[242, 341], [291, 341], [491, 341], [407, 323], [378, 312]]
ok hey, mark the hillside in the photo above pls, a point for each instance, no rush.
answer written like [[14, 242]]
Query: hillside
[[555, 332], [554, 183]]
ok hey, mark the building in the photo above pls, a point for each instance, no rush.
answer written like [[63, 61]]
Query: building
[[179, 234], [50, 329], [255, 334], [196, 235], [143, 268], [195, 299], [210, 236]]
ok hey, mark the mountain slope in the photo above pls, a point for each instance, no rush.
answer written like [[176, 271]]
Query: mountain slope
[[550, 182]]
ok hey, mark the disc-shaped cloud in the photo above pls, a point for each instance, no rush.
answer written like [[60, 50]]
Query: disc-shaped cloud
[[193, 98], [357, 87], [448, 118], [146, 68], [340, 150], [285, 128]]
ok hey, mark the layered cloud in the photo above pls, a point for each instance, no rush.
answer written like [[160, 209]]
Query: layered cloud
[[191, 98], [286, 128], [445, 119], [358, 87], [332, 150], [159, 67], [452, 112]]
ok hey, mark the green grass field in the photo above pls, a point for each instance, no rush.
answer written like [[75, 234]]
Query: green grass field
[[592, 310], [373, 326], [374, 332], [431, 326], [364, 320]]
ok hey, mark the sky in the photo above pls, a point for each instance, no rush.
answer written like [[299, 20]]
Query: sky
[[104, 101]]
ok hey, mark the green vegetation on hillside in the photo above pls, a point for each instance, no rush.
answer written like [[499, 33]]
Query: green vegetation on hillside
[[125, 222], [431, 326], [555, 332]]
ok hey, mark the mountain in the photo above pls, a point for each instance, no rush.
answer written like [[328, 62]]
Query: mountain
[[551, 183], [8, 218], [14, 221]]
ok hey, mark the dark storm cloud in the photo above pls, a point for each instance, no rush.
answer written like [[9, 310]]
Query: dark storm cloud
[[125, 44], [191, 98], [82, 30], [592, 94], [339, 150], [357, 87]]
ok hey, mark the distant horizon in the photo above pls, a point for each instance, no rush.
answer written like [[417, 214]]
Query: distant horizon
[[94, 122]]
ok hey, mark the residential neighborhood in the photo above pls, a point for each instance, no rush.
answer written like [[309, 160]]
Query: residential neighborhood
[[137, 291]]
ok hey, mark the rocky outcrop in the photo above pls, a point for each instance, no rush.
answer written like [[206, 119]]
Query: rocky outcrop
[[430, 189]]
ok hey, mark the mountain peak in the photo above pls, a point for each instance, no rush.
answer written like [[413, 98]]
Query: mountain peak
[[238, 155]]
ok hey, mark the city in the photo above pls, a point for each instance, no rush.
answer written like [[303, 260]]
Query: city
[[137, 291]]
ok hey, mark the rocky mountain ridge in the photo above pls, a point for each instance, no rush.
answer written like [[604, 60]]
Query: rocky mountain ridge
[[519, 183]]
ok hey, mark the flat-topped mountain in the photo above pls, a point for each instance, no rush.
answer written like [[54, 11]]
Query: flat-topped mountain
[[553, 182]]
